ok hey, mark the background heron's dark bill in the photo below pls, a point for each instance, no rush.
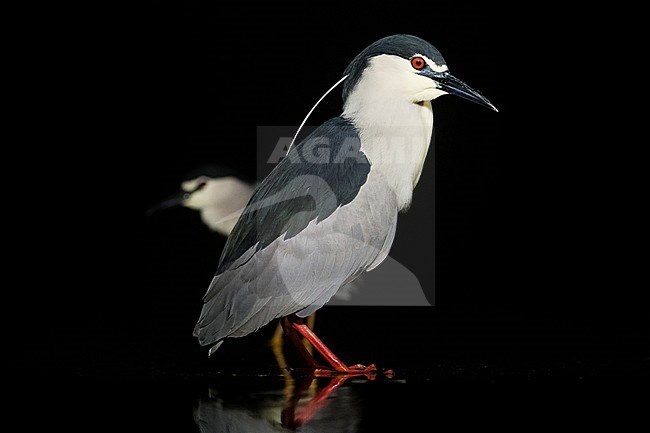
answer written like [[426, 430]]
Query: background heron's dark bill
[[173, 201]]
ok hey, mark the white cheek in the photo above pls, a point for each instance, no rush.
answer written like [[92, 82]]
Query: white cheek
[[423, 88], [429, 94]]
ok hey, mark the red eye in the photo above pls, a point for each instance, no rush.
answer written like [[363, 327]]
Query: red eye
[[418, 63]]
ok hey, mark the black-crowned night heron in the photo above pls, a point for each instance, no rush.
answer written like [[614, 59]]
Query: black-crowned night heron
[[217, 191], [327, 212]]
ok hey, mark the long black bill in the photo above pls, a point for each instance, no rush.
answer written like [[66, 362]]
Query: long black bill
[[175, 200], [454, 86]]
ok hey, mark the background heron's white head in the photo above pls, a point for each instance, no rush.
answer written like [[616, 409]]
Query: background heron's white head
[[220, 200], [204, 192], [199, 192], [210, 186], [219, 193], [403, 68]]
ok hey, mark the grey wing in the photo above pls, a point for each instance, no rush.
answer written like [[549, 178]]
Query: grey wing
[[300, 274]]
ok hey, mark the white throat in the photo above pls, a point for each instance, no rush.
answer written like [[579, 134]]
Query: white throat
[[395, 132]]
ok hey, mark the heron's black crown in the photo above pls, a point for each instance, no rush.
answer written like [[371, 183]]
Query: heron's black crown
[[397, 45]]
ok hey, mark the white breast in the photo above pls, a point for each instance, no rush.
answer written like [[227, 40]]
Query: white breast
[[395, 137]]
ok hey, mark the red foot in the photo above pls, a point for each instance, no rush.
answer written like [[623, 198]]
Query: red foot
[[355, 370]]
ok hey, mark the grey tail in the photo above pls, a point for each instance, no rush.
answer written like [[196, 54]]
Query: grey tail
[[215, 347]]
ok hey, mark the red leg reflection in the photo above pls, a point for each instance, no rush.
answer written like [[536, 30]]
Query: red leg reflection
[[294, 325], [293, 416], [306, 413]]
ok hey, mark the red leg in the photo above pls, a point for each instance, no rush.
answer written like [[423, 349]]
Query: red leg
[[294, 337], [297, 324]]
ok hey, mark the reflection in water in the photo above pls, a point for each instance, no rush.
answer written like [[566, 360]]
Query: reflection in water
[[306, 404]]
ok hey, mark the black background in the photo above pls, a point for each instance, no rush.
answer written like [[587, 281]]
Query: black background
[[527, 287]]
